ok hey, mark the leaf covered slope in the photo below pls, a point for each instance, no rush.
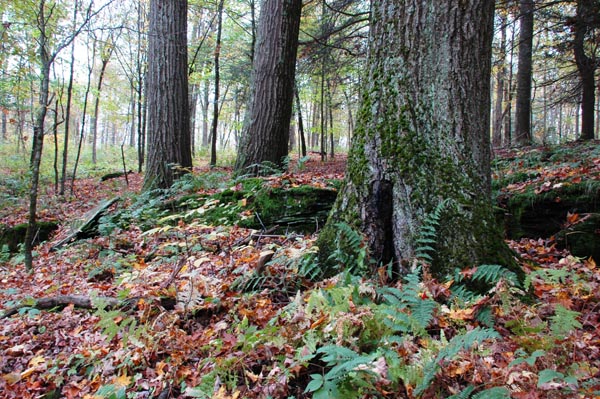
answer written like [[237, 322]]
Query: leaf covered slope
[[179, 307]]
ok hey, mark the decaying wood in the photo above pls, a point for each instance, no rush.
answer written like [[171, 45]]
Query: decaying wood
[[79, 301], [114, 175], [255, 236], [89, 223], [174, 274]]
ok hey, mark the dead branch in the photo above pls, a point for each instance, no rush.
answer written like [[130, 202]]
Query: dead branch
[[61, 301]]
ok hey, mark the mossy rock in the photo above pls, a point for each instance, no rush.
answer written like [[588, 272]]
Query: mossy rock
[[544, 215], [582, 239], [301, 209], [15, 235]]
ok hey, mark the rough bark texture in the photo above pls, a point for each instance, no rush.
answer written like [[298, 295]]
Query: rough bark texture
[[266, 128], [38, 136], [586, 19], [169, 136], [524, 73], [500, 86], [422, 137], [215, 120]]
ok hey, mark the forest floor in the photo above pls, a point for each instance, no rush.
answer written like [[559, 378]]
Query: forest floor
[[165, 305]]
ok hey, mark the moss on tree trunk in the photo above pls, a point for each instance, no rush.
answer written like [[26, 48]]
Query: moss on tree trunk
[[422, 138]]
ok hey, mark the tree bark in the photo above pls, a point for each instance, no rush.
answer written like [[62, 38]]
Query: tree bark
[[94, 120], [524, 73], [65, 152], [38, 135], [422, 138], [215, 121], [500, 83], [585, 19], [266, 127], [169, 136], [300, 122]]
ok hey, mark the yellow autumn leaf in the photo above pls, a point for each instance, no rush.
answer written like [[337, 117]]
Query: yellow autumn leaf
[[37, 361], [222, 394], [199, 262], [461, 314], [12, 378], [122, 381], [28, 372]]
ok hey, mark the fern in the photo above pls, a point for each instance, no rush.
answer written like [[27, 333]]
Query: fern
[[408, 311], [465, 394], [564, 321], [455, 345], [350, 252], [493, 393], [552, 276], [309, 267], [342, 379], [491, 274], [428, 232]]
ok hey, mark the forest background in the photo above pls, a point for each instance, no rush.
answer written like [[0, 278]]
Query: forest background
[[96, 120]]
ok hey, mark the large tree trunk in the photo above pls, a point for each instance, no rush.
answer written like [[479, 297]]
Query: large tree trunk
[[169, 141], [266, 128], [524, 73], [587, 14], [422, 137]]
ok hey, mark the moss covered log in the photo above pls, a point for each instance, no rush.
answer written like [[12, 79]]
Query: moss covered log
[[14, 236]]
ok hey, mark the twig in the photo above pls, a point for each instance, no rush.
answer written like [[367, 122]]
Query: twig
[[252, 236]]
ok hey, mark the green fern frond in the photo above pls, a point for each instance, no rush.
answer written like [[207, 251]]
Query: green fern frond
[[564, 321], [491, 274], [408, 312], [464, 394], [350, 252], [493, 393], [455, 345], [428, 231]]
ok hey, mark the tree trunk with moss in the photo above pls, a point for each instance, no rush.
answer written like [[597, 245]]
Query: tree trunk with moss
[[422, 138]]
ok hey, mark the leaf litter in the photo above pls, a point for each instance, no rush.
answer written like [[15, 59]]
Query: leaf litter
[[189, 331]]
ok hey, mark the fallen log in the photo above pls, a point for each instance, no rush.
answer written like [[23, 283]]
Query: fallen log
[[88, 224], [61, 301]]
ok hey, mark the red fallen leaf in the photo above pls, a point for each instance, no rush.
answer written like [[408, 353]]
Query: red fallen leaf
[[525, 395], [547, 186], [590, 264], [229, 339], [468, 273], [540, 289]]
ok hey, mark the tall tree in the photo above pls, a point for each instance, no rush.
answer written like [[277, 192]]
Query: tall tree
[[422, 137], [500, 83], [106, 51], [168, 126], [266, 128], [48, 50], [524, 74], [586, 20], [215, 120]]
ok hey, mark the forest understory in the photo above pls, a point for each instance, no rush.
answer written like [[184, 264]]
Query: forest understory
[[192, 294]]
